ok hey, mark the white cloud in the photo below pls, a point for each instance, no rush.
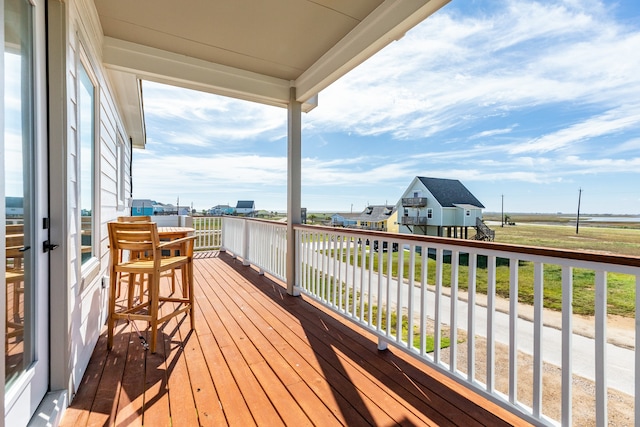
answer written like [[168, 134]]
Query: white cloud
[[205, 119], [611, 122], [453, 69], [491, 132]]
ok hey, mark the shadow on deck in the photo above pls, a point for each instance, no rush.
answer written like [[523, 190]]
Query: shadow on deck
[[261, 357]]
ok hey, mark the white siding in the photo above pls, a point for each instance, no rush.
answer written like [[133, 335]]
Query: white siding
[[87, 301]]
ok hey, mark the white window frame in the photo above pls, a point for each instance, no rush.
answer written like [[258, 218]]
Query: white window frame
[[90, 269], [120, 172]]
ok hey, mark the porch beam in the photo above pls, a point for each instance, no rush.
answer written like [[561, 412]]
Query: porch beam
[[294, 187], [148, 63]]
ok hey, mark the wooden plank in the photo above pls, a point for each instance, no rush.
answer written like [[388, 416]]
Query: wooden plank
[[346, 382], [259, 404], [206, 400], [320, 414], [79, 414], [234, 406], [131, 400], [213, 321], [181, 400], [156, 398], [103, 410], [423, 383], [304, 362], [285, 403], [446, 411]]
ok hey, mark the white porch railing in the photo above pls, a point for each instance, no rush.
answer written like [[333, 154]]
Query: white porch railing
[[359, 275], [257, 242], [208, 231]]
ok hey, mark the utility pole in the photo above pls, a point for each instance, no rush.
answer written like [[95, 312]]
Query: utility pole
[[578, 216], [502, 216]]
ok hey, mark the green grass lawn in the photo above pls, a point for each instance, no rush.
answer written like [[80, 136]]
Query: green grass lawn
[[620, 241]]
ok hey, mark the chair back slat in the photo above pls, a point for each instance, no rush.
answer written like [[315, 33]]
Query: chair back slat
[[132, 237], [14, 243], [139, 218], [14, 228]]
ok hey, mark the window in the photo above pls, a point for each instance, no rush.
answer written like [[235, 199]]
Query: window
[[19, 148], [430, 213], [468, 213], [86, 153]]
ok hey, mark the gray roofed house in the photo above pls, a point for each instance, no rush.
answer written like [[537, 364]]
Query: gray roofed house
[[441, 207], [450, 192], [375, 217]]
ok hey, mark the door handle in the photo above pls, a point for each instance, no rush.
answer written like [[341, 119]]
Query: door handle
[[46, 246], [24, 248]]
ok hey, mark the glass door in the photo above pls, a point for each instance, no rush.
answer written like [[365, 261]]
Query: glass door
[[25, 182]]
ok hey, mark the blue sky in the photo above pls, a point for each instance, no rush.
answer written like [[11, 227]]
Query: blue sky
[[530, 100]]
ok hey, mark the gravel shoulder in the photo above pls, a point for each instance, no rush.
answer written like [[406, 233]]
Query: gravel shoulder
[[621, 332]]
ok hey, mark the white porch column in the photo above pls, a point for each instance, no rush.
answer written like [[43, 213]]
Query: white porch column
[[294, 168]]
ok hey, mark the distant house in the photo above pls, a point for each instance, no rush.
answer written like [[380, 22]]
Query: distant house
[[14, 207], [151, 207], [222, 210], [245, 207], [343, 220], [440, 207], [377, 217], [140, 207], [163, 209]]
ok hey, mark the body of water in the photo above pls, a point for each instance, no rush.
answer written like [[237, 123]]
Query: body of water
[[588, 218]]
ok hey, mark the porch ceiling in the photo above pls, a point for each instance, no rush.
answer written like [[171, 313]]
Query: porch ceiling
[[247, 49]]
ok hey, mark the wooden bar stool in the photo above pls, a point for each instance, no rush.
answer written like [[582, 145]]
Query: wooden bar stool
[[134, 280], [143, 237], [131, 279]]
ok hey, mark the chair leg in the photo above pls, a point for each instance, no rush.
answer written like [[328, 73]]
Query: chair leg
[[131, 289], [154, 293], [188, 286], [16, 299]]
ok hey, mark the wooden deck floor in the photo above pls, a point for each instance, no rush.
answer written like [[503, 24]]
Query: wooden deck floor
[[261, 357]]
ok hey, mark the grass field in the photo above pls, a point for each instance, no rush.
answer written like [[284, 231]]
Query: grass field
[[601, 239], [609, 240], [618, 238]]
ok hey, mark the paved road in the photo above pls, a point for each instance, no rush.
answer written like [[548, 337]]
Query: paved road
[[621, 361]]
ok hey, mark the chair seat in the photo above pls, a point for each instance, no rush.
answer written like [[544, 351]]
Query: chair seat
[[14, 276], [146, 266]]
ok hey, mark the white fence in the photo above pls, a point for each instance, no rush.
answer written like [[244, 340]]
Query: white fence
[[412, 297], [208, 232], [207, 229], [260, 243]]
